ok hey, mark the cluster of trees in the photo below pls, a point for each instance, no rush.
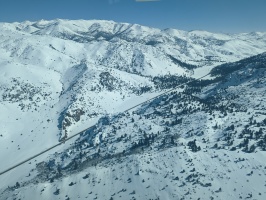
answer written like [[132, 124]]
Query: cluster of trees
[[169, 81], [108, 81], [193, 146]]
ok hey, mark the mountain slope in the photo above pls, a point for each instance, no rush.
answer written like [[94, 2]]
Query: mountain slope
[[207, 139], [59, 77]]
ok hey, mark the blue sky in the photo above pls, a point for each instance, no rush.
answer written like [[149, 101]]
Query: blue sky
[[230, 16]]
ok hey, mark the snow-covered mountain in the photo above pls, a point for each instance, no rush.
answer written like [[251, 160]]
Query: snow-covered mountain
[[204, 140]]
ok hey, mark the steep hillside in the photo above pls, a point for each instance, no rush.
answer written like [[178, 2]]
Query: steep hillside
[[205, 139]]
